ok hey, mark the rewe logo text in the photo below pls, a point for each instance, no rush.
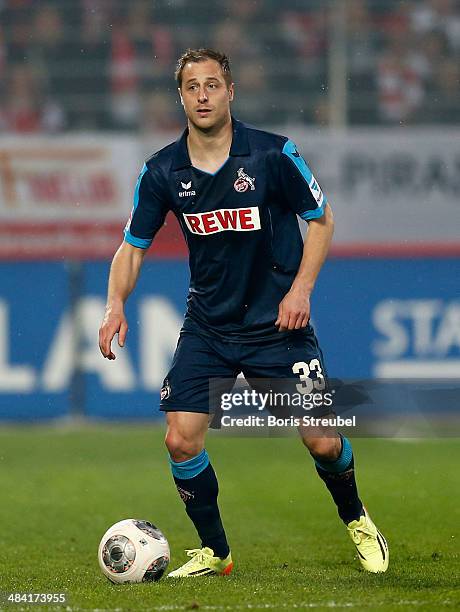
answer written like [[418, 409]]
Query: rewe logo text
[[223, 220]]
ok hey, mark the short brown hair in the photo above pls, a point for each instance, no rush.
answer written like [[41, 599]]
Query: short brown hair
[[201, 55]]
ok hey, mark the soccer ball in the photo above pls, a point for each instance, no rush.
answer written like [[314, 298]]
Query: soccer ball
[[133, 551]]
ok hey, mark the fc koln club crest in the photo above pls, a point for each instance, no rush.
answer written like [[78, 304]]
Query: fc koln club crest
[[244, 182], [165, 390]]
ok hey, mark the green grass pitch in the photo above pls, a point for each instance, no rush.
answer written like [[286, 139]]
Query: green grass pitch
[[61, 488]]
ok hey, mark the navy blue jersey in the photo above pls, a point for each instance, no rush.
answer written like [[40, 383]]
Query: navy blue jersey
[[239, 223]]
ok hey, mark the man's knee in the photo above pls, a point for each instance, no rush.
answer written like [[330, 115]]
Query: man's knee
[[326, 449], [180, 447]]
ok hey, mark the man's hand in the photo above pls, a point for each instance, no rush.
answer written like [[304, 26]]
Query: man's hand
[[294, 310], [114, 322], [123, 275]]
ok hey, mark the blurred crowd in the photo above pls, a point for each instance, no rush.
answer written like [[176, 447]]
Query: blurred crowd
[[108, 64]]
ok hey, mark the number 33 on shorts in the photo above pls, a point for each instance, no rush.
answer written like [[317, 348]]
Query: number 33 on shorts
[[303, 370]]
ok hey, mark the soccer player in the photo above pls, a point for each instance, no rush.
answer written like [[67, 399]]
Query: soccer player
[[236, 192]]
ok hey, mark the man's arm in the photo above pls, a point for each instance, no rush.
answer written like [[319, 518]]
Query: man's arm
[[124, 272], [294, 310]]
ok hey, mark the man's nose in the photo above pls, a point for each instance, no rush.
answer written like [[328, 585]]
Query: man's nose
[[202, 95]]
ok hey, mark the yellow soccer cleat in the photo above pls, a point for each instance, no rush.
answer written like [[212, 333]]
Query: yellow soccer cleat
[[371, 545], [203, 563]]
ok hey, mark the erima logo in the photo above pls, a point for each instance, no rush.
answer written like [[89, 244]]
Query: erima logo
[[223, 220], [188, 190]]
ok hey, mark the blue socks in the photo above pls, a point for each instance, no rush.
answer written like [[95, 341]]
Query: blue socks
[[342, 462], [190, 468], [339, 478], [197, 485]]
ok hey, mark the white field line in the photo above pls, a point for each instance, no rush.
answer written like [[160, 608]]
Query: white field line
[[262, 606]]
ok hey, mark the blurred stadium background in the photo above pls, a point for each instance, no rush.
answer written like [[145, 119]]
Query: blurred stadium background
[[368, 89]]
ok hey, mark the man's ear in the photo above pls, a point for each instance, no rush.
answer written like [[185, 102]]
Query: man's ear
[[180, 96], [231, 92]]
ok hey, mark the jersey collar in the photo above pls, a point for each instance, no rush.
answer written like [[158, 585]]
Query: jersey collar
[[240, 146]]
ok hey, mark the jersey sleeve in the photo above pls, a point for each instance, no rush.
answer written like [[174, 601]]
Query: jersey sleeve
[[149, 210], [300, 188]]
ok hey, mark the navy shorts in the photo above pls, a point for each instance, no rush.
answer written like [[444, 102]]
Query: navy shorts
[[200, 359]]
